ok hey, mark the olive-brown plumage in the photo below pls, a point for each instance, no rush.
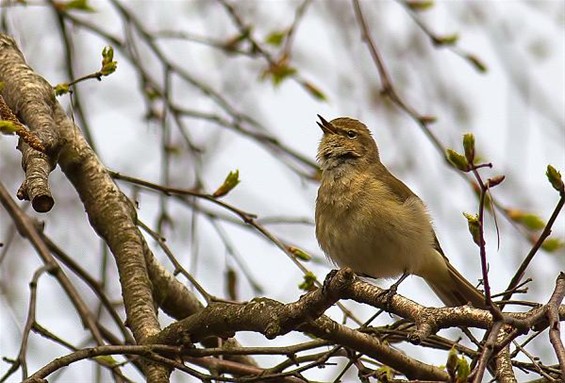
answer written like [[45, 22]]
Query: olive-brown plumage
[[371, 222]]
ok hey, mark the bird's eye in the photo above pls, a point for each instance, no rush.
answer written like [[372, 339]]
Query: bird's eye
[[351, 134]]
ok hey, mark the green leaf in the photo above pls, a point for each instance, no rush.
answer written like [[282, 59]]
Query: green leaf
[[457, 160], [552, 244], [308, 282], [61, 89], [554, 178], [299, 253], [276, 38], [230, 182], [469, 146], [9, 127], [474, 227]]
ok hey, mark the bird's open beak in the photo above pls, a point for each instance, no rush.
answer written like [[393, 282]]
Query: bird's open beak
[[326, 126]]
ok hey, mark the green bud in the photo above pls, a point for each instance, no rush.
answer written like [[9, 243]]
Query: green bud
[[419, 5], [469, 146], [108, 64], [554, 178], [463, 371], [233, 43], [552, 244], [427, 119], [532, 221], [451, 364], [385, 374], [528, 220], [308, 282], [457, 160], [109, 68], [278, 73], [447, 39], [299, 253], [276, 38], [230, 182], [107, 360], [78, 5], [491, 182], [107, 55], [151, 92], [474, 227], [477, 63], [61, 89], [314, 91], [9, 127]]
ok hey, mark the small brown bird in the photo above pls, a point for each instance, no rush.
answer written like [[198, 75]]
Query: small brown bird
[[371, 222]]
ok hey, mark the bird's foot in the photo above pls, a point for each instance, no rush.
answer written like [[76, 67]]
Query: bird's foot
[[327, 280], [389, 293]]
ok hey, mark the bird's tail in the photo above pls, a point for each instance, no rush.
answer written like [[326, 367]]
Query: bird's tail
[[453, 289]]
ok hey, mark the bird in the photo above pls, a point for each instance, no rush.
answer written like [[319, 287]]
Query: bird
[[371, 222]]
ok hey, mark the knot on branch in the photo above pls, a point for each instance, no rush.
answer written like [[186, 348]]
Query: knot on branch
[[426, 325]]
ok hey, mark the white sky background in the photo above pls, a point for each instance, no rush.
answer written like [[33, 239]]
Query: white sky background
[[515, 110]]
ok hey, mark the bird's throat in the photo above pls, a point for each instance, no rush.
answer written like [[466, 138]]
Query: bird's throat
[[343, 162]]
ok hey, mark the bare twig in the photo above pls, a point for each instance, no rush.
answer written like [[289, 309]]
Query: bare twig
[[533, 251]]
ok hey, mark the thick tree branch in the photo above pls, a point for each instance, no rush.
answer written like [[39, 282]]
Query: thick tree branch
[[110, 213], [30, 97], [273, 318]]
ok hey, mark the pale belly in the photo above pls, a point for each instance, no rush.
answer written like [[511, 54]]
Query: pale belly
[[382, 241]]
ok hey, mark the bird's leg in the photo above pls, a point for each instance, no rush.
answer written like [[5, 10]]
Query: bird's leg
[[391, 291], [327, 280]]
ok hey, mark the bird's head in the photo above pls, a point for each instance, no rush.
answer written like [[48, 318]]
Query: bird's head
[[345, 141]]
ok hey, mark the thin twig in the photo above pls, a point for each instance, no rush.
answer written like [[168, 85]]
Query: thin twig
[[533, 251]]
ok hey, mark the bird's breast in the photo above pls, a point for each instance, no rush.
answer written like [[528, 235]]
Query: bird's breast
[[362, 225]]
